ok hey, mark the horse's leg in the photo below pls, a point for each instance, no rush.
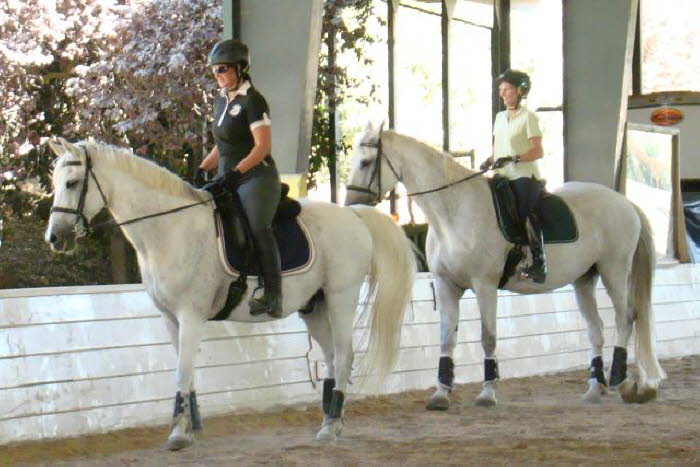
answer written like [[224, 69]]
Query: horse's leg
[[341, 307], [447, 295], [486, 296], [173, 328], [320, 329], [191, 327], [585, 297], [615, 279]]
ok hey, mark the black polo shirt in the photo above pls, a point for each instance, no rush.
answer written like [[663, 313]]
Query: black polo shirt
[[234, 123]]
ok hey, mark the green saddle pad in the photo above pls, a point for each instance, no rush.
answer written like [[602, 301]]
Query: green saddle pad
[[558, 223]]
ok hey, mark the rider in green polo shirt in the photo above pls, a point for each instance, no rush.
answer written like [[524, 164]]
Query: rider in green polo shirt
[[517, 147]]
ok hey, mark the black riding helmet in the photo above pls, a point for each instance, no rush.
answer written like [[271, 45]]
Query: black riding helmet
[[229, 52], [519, 79]]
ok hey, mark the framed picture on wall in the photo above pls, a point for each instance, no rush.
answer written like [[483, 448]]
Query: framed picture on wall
[[650, 177]]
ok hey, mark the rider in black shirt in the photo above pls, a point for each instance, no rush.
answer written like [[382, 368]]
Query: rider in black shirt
[[242, 131]]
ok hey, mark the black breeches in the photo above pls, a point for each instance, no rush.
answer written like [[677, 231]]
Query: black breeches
[[527, 194], [260, 195]]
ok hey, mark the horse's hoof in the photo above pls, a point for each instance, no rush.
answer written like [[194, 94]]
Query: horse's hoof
[[595, 391], [646, 394], [177, 442], [632, 392], [485, 401], [438, 402], [330, 430], [487, 396]]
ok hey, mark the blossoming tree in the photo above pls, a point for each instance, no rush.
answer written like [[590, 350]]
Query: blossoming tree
[[129, 72]]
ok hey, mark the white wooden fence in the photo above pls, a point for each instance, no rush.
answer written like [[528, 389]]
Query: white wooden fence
[[93, 359]]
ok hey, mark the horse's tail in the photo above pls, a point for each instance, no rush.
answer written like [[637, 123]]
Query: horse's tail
[[390, 284], [641, 281]]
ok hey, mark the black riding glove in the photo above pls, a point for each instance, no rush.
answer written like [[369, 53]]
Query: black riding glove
[[232, 179], [228, 182], [502, 161], [200, 177], [486, 165]]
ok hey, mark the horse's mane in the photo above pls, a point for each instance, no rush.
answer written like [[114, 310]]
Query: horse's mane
[[451, 166], [142, 170]]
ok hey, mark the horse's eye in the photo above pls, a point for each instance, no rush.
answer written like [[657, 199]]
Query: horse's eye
[[71, 184], [365, 163]]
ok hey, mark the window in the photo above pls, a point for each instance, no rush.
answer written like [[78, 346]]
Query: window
[[470, 79], [648, 180], [670, 45], [536, 48], [418, 75], [365, 94]]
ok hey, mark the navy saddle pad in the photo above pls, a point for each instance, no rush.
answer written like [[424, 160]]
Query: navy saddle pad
[[558, 223], [293, 242]]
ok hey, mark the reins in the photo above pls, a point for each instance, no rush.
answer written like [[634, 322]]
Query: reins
[[448, 185], [378, 173], [113, 223], [86, 228]]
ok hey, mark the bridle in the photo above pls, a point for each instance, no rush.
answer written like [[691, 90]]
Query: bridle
[[377, 172], [82, 225]]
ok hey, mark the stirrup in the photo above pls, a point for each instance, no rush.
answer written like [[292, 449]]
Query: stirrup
[[536, 274], [260, 306]]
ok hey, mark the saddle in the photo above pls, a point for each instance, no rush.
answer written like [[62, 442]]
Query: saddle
[[237, 249], [558, 223]]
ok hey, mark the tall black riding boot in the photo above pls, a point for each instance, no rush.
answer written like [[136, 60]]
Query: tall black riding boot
[[537, 271], [271, 301]]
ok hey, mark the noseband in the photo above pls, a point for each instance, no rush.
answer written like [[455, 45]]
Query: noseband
[[82, 225]]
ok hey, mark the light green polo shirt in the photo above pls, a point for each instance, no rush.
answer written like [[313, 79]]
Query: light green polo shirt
[[512, 137]]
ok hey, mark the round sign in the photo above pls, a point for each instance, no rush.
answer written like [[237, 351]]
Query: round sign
[[666, 116]]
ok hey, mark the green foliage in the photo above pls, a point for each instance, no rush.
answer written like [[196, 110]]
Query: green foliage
[[344, 25]]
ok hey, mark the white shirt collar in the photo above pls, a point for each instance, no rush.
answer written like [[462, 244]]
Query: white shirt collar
[[241, 91]]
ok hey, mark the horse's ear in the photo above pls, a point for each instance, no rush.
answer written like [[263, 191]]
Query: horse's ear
[[369, 127], [76, 151], [58, 145]]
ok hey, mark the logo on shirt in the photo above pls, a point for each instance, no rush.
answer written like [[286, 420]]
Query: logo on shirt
[[235, 110]]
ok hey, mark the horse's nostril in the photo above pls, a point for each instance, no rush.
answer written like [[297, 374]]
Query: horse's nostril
[[53, 238]]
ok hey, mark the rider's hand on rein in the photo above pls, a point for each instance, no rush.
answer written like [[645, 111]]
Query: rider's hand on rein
[[199, 177], [232, 179], [502, 161], [486, 165]]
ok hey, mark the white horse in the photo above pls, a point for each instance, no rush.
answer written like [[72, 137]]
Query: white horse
[[466, 250], [184, 276]]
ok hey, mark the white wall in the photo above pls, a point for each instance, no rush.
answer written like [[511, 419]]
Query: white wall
[[94, 359], [689, 138]]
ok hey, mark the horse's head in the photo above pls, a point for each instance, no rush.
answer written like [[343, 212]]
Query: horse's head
[[372, 175], [75, 200]]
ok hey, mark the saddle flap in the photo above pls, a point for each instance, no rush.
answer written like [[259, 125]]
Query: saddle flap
[[293, 241], [558, 222]]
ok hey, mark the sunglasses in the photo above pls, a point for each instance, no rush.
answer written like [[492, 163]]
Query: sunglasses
[[220, 69]]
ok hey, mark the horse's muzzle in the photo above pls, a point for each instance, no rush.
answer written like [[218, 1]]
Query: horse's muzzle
[[60, 242]]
